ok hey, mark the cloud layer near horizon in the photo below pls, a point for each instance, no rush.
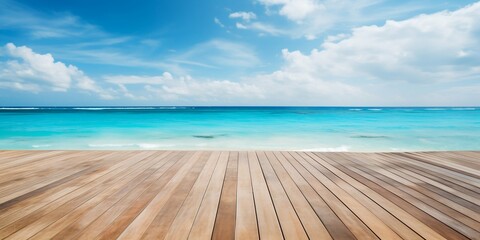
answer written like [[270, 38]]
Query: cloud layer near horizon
[[430, 59]]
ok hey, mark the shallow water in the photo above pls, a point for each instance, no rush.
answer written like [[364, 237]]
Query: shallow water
[[269, 128]]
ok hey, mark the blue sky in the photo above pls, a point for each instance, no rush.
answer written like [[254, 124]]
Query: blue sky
[[255, 52]]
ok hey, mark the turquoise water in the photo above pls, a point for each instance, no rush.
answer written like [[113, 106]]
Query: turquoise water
[[242, 128]]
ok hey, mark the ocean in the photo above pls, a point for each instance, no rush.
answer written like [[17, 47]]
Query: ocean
[[242, 128]]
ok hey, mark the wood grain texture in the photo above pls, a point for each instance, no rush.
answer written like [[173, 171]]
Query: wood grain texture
[[239, 195]]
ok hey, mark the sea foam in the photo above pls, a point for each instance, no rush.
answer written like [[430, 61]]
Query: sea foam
[[342, 148]]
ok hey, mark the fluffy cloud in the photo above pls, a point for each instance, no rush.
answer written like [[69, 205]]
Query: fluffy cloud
[[295, 10], [30, 71], [290, 86], [401, 62], [427, 48], [185, 89], [313, 18], [246, 16], [247, 23], [428, 59]]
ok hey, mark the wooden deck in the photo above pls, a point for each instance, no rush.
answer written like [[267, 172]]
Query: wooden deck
[[241, 195]]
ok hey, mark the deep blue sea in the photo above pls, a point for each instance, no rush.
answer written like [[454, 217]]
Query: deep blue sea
[[242, 128]]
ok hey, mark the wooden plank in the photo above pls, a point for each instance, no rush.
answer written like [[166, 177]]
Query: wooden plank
[[138, 227], [448, 158], [314, 227], [427, 167], [95, 227], [21, 161], [40, 197], [291, 226], [241, 195], [95, 207], [365, 214], [434, 172], [268, 225], [120, 223], [457, 157], [246, 221], [425, 225], [224, 227], [162, 222], [74, 221], [354, 224], [409, 185], [469, 196], [445, 164], [85, 201], [388, 218], [7, 155], [34, 168], [332, 222], [433, 182], [182, 224], [55, 210], [204, 221], [50, 200], [41, 175], [468, 156], [428, 205]]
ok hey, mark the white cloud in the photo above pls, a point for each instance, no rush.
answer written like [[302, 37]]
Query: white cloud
[[310, 37], [218, 22], [421, 49], [185, 89], [400, 62], [80, 41], [215, 53], [310, 18], [30, 71], [431, 59], [261, 27], [313, 18], [246, 16], [114, 57], [37, 67], [426, 60], [240, 26], [218, 53], [133, 79], [295, 10]]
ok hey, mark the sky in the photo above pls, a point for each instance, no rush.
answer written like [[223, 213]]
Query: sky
[[232, 52]]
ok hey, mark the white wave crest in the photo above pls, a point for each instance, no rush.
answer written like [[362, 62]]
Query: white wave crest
[[148, 145], [110, 145], [342, 148], [18, 108], [130, 145], [41, 145]]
